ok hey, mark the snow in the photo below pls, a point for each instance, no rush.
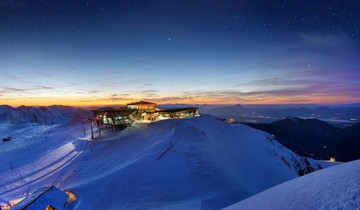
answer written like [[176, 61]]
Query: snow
[[42, 115], [23, 135], [332, 188], [4, 110], [198, 163]]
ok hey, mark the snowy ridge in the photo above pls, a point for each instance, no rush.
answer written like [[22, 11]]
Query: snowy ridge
[[4, 110], [42, 115], [293, 119], [336, 187], [199, 163]]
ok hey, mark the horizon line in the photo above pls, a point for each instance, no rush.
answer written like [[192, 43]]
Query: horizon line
[[356, 104]]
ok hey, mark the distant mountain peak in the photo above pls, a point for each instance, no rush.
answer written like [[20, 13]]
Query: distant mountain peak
[[237, 106], [293, 119]]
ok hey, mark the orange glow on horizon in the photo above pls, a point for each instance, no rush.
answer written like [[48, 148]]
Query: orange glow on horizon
[[89, 101]]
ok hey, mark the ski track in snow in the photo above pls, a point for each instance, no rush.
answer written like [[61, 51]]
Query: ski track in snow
[[33, 157]]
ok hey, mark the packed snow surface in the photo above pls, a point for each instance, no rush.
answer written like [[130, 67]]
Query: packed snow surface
[[336, 187], [198, 163]]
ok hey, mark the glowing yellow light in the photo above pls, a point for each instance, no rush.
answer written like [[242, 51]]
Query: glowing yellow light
[[72, 196], [332, 159], [11, 203]]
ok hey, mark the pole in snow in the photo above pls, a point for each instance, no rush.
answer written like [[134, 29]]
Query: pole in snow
[[92, 130]]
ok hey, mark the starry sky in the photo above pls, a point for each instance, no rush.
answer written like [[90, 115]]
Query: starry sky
[[216, 52]]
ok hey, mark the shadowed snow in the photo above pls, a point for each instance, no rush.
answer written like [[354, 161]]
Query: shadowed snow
[[332, 188]]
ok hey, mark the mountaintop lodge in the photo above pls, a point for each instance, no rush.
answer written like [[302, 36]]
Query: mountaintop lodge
[[142, 111]]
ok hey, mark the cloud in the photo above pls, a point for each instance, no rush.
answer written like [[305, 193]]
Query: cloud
[[167, 99], [9, 90], [94, 91], [148, 84], [42, 87], [311, 92], [124, 94], [315, 92], [127, 83], [45, 74], [275, 81], [117, 98], [149, 91]]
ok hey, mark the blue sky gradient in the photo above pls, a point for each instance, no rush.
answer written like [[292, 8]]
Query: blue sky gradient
[[114, 52]]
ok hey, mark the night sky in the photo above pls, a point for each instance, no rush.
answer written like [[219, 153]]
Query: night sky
[[215, 52]]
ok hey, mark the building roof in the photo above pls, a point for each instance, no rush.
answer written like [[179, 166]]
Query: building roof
[[177, 110], [42, 197], [141, 103], [113, 112]]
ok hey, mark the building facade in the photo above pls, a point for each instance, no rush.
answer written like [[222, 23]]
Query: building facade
[[140, 112]]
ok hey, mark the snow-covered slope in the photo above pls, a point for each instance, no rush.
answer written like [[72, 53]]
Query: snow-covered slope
[[4, 111], [5, 108], [50, 115], [336, 187], [31, 125], [199, 163]]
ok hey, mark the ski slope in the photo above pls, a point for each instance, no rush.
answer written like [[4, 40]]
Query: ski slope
[[198, 163]]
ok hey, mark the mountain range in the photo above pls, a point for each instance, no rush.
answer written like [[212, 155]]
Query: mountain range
[[315, 138], [339, 116]]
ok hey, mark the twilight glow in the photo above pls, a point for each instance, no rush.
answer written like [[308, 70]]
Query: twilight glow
[[216, 52]]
